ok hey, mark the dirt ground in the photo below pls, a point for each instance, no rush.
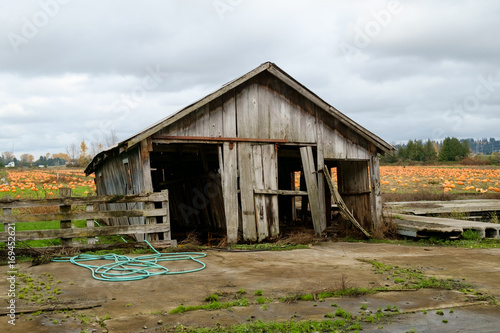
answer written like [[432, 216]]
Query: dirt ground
[[143, 306]]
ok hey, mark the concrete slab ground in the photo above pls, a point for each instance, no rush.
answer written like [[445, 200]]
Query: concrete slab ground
[[132, 306]]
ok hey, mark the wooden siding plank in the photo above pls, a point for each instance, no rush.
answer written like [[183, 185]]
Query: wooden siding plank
[[247, 112], [215, 125], [312, 187], [270, 171], [229, 117], [265, 99], [230, 191], [246, 191], [259, 200], [202, 122]]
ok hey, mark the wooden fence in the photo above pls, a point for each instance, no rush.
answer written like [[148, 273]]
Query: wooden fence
[[157, 220]]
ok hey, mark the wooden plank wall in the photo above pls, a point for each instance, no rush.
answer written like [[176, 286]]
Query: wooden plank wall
[[122, 175], [354, 188]]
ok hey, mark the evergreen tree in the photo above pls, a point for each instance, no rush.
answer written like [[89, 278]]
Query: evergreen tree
[[453, 150]]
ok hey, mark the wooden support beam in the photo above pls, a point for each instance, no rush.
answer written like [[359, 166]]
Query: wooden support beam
[[147, 180], [279, 192], [167, 235], [376, 192], [320, 164], [312, 189], [216, 139]]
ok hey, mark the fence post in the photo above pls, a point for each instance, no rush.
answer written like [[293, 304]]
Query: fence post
[[90, 222], [166, 218], [6, 212], [65, 193]]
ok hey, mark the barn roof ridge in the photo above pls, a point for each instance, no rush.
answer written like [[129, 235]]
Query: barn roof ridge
[[267, 66]]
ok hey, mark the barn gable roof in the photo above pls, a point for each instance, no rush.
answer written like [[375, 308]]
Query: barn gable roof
[[271, 68]]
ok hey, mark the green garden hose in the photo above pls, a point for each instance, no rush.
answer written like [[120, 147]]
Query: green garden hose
[[124, 268]]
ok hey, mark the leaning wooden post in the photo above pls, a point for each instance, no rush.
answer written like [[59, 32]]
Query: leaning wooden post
[[66, 224], [90, 222]]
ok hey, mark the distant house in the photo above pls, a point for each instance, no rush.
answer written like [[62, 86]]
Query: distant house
[[230, 160], [10, 165]]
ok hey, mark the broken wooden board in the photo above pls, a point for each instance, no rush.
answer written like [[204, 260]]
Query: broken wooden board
[[423, 226], [443, 207]]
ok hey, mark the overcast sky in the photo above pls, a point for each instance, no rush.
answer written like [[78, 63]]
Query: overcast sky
[[75, 69]]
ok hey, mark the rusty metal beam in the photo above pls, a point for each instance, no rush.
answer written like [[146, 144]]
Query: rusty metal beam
[[217, 139]]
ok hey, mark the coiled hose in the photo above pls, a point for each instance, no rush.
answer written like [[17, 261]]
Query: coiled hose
[[123, 268]]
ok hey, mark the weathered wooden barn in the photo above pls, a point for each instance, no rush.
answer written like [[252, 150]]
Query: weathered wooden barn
[[229, 160]]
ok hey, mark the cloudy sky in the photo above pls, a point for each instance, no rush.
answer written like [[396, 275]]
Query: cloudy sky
[[75, 69]]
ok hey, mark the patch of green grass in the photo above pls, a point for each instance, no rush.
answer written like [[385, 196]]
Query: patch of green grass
[[440, 312], [277, 327], [267, 247], [210, 306], [306, 297], [343, 313], [471, 235], [364, 307], [263, 300], [258, 293], [212, 298]]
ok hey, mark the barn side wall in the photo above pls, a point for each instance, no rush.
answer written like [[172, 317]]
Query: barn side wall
[[121, 174]]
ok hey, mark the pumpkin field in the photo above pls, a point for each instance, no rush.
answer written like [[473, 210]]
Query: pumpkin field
[[435, 179], [33, 184], [37, 184]]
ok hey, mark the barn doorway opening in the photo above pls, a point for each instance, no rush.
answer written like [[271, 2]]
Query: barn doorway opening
[[190, 172]]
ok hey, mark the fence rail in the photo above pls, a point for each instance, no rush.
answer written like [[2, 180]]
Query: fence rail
[[156, 221]]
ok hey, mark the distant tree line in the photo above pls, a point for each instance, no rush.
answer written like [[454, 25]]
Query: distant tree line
[[77, 155], [448, 150], [484, 146]]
